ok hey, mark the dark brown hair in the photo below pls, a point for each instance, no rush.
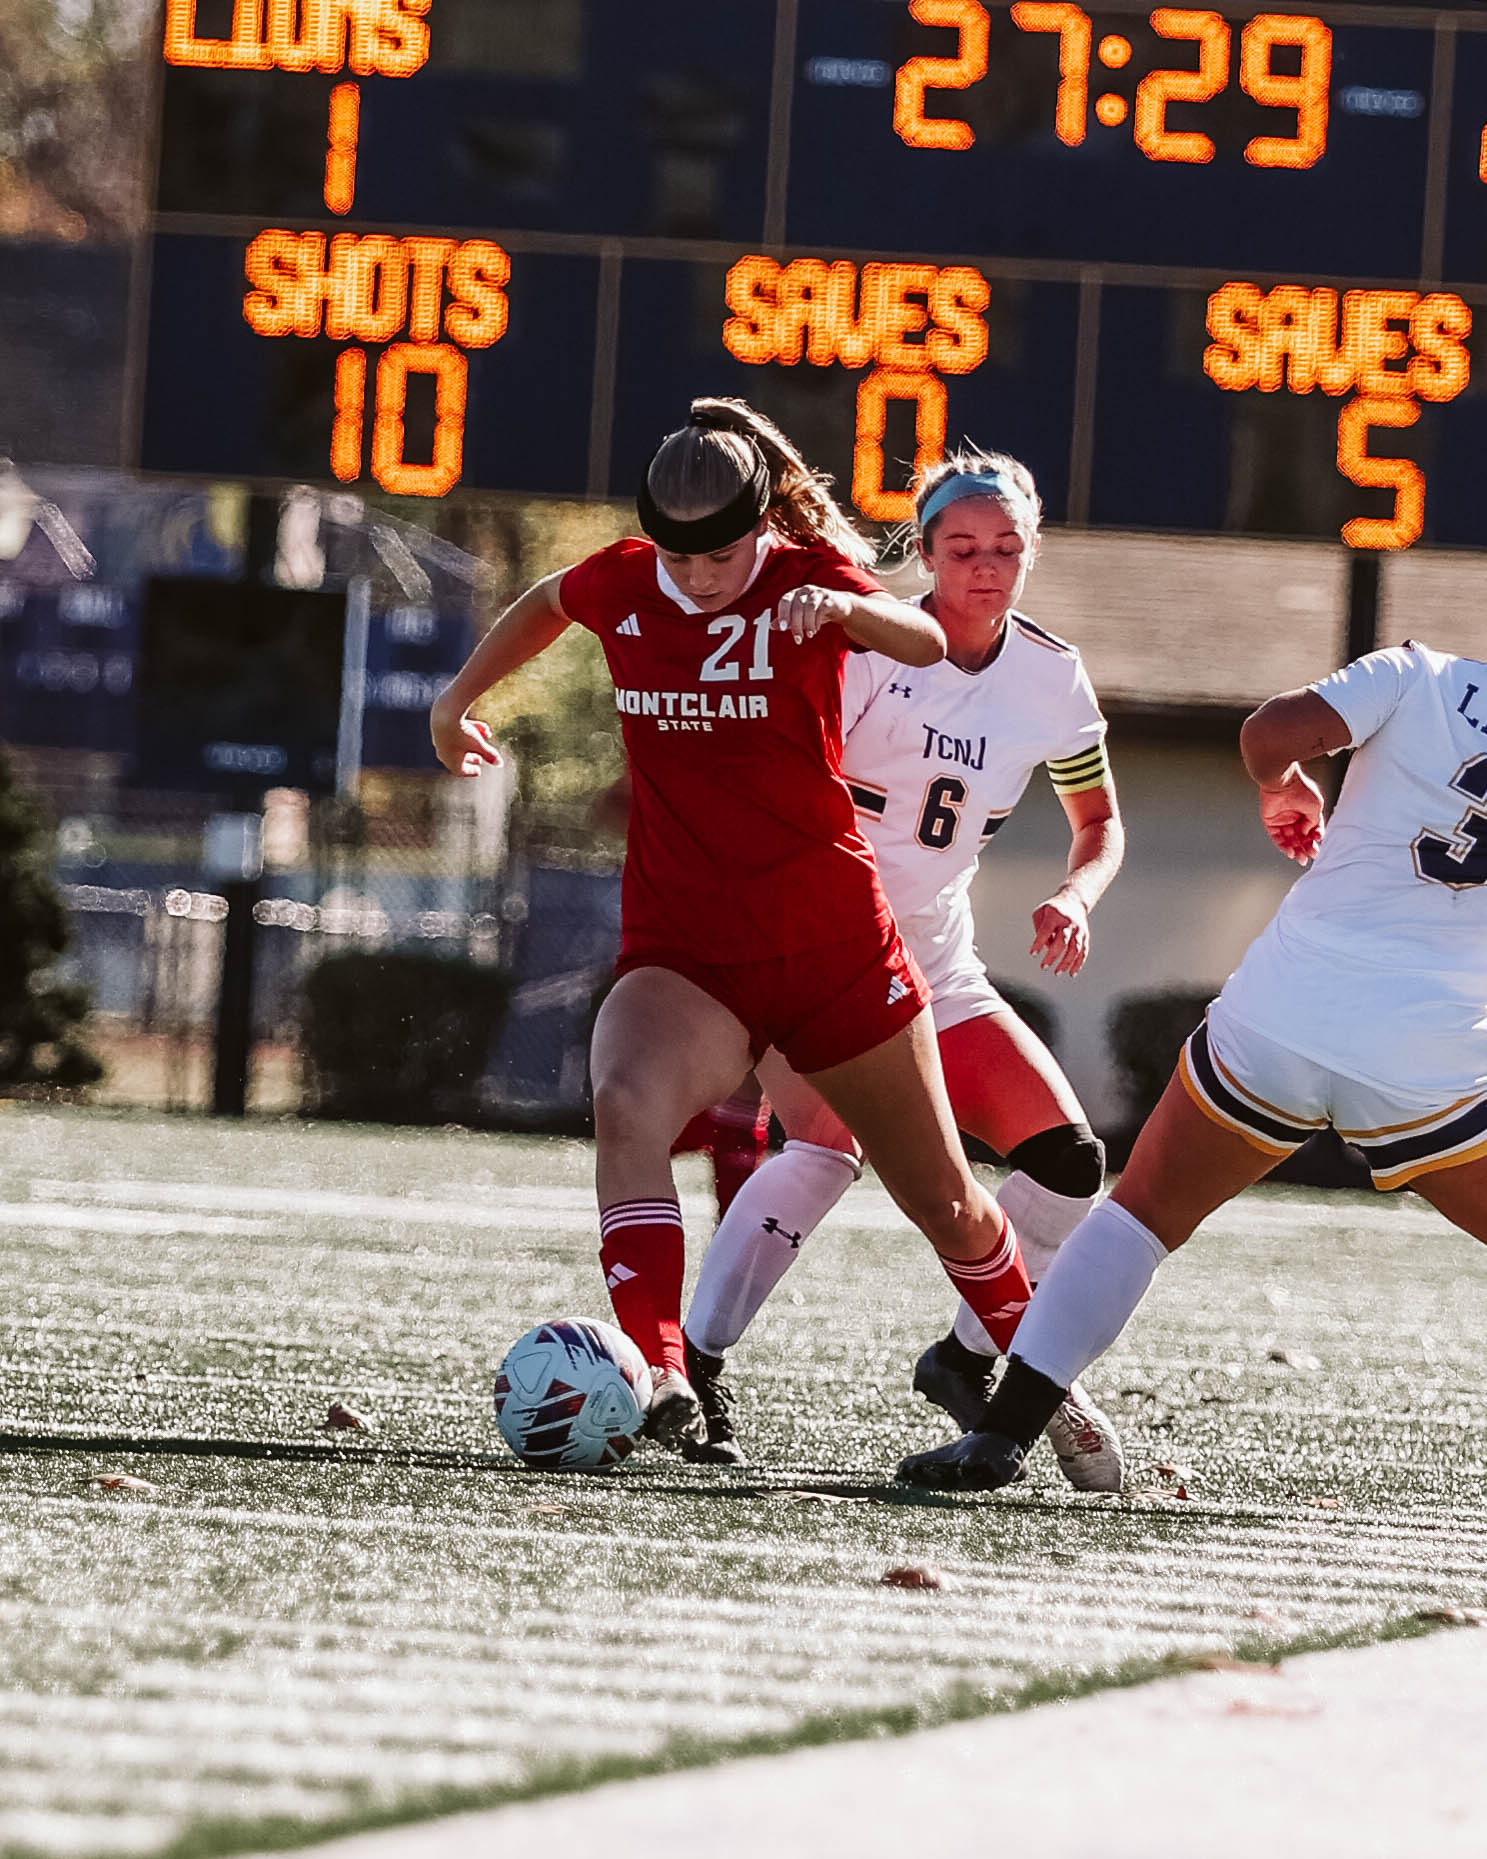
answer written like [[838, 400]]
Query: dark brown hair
[[710, 460]]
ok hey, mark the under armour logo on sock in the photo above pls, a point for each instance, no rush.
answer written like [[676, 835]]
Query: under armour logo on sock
[[771, 1225], [896, 990], [619, 1275]]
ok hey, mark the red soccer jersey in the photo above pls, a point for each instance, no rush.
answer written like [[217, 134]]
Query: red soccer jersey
[[743, 839]]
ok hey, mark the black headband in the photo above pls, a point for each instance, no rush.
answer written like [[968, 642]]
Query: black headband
[[718, 530]]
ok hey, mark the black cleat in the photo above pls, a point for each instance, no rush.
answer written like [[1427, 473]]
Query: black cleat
[[955, 1378], [974, 1462], [719, 1446], [674, 1417]]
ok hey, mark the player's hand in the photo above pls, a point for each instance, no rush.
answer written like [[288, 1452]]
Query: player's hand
[[1291, 812], [462, 742], [805, 610], [1061, 933]]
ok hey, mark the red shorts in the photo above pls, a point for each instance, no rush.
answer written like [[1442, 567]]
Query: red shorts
[[819, 1008]]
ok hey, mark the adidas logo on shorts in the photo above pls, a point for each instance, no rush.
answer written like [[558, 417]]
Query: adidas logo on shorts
[[897, 989]]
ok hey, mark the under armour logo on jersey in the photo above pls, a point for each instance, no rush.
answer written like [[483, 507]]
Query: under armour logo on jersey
[[894, 690], [619, 1275], [771, 1225], [897, 989], [631, 627]]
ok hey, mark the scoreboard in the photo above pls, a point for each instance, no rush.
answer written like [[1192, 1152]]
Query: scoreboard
[[1204, 269]]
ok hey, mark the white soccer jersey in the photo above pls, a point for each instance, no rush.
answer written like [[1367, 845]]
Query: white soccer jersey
[[1376, 962], [937, 758]]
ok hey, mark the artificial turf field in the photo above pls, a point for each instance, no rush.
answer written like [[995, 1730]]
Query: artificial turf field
[[291, 1631]]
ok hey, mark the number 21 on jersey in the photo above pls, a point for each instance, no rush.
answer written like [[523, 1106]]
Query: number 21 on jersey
[[718, 668]]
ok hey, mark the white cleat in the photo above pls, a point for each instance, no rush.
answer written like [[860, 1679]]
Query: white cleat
[[675, 1413], [1085, 1444]]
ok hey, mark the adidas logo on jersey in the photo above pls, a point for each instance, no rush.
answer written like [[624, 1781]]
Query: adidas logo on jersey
[[631, 627], [897, 989]]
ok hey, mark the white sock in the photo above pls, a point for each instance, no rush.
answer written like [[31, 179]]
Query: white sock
[[759, 1238], [1098, 1278], [1042, 1221]]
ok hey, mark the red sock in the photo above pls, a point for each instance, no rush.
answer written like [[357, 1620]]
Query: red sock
[[995, 1287], [738, 1149], [643, 1255]]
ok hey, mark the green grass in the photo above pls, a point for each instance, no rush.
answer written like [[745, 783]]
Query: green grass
[[296, 1632]]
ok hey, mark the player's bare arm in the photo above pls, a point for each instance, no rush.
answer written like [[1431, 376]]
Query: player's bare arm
[[1096, 848], [883, 624], [528, 626], [1296, 727]]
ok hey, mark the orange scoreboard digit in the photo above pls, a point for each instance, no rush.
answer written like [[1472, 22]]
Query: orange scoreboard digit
[[1207, 269]]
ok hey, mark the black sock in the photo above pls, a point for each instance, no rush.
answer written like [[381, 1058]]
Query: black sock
[[1022, 1404], [964, 1361], [700, 1360]]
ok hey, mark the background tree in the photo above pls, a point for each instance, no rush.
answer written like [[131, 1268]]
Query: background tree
[[75, 103], [41, 1017]]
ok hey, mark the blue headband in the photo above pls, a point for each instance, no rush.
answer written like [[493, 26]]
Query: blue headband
[[963, 484]]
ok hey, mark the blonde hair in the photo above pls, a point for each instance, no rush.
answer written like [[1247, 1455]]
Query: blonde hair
[[712, 459], [1021, 501]]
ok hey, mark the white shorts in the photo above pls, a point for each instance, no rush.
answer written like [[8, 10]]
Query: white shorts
[[944, 946], [1275, 1099]]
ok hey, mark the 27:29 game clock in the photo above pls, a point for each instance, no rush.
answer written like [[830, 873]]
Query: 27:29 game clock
[[1205, 269]]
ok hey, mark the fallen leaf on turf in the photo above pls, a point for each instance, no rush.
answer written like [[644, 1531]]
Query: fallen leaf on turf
[[1159, 1491], [1325, 1503], [340, 1418], [1455, 1616], [1295, 1358], [913, 1577], [120, 1481]]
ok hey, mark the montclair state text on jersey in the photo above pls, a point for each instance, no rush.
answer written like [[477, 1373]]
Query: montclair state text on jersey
[[690, 709]]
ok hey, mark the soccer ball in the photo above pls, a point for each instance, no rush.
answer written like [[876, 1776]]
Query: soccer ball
[[571, 1396]]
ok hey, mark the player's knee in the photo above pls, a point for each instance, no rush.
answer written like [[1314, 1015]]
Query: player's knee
[[1067, 1160], [623, 1106], [953, 1218]]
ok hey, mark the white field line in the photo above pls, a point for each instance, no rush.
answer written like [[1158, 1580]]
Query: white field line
[[867, 1204], [66, 1834], [60, 1217], [516, 1205]]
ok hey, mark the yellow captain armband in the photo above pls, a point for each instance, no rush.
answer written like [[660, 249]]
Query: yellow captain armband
[[1077, 774]]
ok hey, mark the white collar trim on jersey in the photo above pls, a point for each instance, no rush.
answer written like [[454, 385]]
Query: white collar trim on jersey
[[1001, 644], [672, 592]]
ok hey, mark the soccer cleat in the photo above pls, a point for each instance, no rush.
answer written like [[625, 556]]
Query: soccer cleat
[[675, 1413], [957, 1385], [1085, 1444], [974, 1462], [720, 1446]]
